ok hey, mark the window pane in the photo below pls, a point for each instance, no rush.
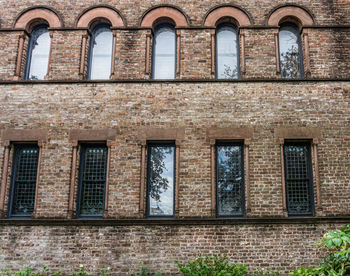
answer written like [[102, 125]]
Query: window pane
[[290, 52], [230, 180], [24, 180], [38, 54], [298, 179], [93, 180], [227, 53], [101, 53], [161, 180], [164, 53]]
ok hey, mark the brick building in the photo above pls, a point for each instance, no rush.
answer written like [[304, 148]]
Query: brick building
[[137, 132]]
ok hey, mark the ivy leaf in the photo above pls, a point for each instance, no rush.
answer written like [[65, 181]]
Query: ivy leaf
[[337, 241], [329, 243]]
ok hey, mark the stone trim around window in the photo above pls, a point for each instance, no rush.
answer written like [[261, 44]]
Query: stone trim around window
[[88, 16], [300, 134], [152, 135], [77, 136], [9, 136], [230, 134]]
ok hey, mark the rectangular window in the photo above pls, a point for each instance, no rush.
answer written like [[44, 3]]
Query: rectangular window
[[23, 182], [298, 179], [229, 180], [92, 180], [161, 180]]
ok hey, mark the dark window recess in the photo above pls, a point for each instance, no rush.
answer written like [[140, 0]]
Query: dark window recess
[[229, 180], [25, 166], [161, 180], [298, 178], [92, 180]]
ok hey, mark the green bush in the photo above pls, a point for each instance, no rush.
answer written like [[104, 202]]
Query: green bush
[[211, 266]]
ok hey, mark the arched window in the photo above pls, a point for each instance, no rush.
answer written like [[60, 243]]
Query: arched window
[[227, 52], [290, 51], [164, 52], [100, 56], [38, 53]]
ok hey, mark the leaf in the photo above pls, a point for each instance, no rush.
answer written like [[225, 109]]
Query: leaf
[[337, 241]]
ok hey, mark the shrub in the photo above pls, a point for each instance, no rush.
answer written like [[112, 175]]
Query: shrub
[[211, 266]]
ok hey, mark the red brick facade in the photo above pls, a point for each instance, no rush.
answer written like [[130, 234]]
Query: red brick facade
[[194, 110]]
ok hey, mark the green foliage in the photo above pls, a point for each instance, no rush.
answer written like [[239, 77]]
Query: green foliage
[[267, 272], [304, 272], [144, 272], [29, 271], [211, 266]]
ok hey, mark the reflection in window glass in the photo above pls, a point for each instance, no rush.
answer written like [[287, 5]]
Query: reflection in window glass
[[291, 60], [227, 49], [164, 52], [24, 174], [38, 53], [229, 180], [161, 180], [100, 59], [298, 174]]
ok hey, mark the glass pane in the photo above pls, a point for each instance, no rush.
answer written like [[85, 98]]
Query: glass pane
[[290, 52], [101, 53], [164, 53], [38, 54], [93, 181], [229, 180], [25, 165], [227, 53], [298, 179], [161, 180]]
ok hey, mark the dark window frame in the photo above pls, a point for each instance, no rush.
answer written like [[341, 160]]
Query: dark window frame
[[90, 55], [159, 26], [15, 162], [160, 144], [241, 145], [30, 50], [234, 27], [292, 27], [310, 188], [83, 148]]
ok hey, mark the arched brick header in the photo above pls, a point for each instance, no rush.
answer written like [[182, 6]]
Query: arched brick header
[[279, 13], [217, 13], [25, 18], [109, 13], [175, 14]]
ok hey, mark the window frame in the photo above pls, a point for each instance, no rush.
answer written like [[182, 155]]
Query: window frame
[[292, 27], [15, 162], [30, 52], [309, 166], [83, 147], [236, 31], [157, 28], [90, 54], [242, 168], [159, 144]]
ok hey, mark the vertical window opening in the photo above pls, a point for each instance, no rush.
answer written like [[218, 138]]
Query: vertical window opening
[[100, 56], [290, 51], [38, 53], [164, 52], [160, 180], [92, 180], [23, 182], [298, 179], [230, 179], [227, 52]]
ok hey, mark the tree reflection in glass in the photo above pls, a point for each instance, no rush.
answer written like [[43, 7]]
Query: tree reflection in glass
[[161, 180], [38, 53], [229, 180], [290, 51], [227, 50]]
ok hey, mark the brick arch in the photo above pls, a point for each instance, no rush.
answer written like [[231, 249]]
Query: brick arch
[[155, 13], [300, 13], [216, 13], [89, 15], [40, 13]]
